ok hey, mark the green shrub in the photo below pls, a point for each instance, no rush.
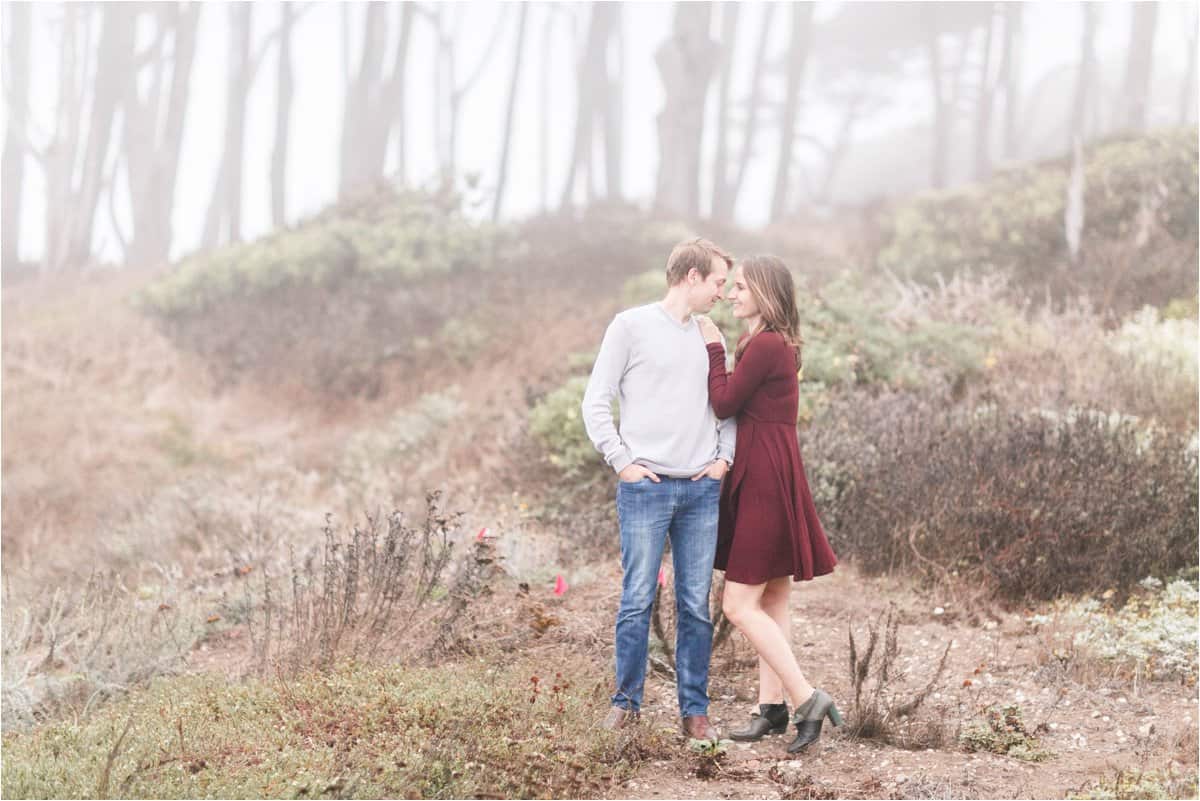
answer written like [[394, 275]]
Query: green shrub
[[556, 422], [395, 236], [1141, 193]]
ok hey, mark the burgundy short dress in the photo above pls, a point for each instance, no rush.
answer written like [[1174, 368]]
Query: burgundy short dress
[[768, 526]]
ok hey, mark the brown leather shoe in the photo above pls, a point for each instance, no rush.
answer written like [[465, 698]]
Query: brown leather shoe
[[697, 727], [619, 718]]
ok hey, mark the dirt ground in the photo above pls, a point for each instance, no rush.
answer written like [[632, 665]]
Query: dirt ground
[[1094, 720]]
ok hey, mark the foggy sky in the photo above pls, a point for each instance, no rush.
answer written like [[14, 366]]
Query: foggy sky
[[1051, 33]]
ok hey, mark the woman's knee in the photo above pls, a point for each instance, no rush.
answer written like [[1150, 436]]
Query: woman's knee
[[736, 609]]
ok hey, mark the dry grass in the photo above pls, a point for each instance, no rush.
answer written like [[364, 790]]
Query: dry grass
[[879, 711]]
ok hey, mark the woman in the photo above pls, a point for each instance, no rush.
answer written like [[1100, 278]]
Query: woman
[[768, 534]]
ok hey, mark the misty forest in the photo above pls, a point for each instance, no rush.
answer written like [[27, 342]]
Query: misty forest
[[300, 300]]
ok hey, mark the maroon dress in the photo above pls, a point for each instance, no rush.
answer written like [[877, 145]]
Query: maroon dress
[[768, 526]]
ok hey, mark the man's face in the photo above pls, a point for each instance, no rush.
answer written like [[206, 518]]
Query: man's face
[[704, 292]]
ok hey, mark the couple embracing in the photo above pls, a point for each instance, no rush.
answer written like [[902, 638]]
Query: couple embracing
[[710, 460]]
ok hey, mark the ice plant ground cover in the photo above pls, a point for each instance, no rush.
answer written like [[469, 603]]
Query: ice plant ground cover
[[1152, 634]]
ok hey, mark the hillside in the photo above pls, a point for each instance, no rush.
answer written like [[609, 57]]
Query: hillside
[[193, 492]]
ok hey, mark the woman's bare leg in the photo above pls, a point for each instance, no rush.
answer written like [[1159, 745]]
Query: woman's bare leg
[[774, 603], [743, 606]]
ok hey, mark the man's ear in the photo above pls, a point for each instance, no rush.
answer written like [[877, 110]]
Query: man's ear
[[693, 275]]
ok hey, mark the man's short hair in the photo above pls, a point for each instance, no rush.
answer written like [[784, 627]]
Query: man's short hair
[[696, 253]]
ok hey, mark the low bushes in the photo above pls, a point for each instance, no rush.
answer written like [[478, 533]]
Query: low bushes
[[1028, 505], [387, 236], [325, 305], [1139, 234]]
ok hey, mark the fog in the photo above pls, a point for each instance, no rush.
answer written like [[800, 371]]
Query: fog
[[886, 147]]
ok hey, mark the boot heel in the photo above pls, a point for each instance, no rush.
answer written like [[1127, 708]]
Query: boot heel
[[834, 716]]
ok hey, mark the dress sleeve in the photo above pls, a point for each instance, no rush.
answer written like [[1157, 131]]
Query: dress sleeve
[[728, 393]]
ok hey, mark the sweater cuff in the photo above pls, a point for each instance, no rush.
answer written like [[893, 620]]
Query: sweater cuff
[[622, 460]]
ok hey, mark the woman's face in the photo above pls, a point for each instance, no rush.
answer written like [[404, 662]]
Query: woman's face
[[744, 307]]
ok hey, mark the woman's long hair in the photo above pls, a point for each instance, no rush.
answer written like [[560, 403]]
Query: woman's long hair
[[770, 283]]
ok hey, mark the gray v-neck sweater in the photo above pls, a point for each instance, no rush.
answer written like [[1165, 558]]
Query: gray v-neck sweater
[[657, 369]]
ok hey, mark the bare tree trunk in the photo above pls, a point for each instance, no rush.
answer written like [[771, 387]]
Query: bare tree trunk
[[613, 117], [983, 113], [62, 152], [725, 211], [283, 114], [592, 88], [1139, 65], [1087, 71], [685, 65], [357, 151], [113, 65], [840, 147], [396, 93], [153, 157], [508, 114], [544, 112], [459, 92], [1012, 77], [233, 187], [224, 210], [16, 144], [798, 53], [720, 181], [941, 111], [1188, 94]]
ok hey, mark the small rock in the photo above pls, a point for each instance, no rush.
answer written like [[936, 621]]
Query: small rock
[[937, 610], [1146, 730], [1095, 713]]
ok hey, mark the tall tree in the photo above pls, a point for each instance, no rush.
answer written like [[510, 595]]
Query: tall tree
[[721, 179], [797, 56], [1011, 71], [613, 114], [448, 93], [1188, 93], [396, 94], [724, 211], [1138, 66], [62, 152], [685, 64], [16, 144], [114, 63], [592, 105], [1086, 75], [225, 207], [362, 99], [153, 142], [285, 86], [514, 83], [958, 21], [983, 105]]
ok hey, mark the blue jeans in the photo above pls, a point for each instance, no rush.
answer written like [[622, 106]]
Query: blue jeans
[[685, 511]]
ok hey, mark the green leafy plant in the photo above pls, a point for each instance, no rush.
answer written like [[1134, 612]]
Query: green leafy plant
[[1001, 730]]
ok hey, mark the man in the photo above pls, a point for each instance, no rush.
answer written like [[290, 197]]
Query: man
[[669, 454]]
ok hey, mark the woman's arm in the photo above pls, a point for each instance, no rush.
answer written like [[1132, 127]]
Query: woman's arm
[[728, 393]]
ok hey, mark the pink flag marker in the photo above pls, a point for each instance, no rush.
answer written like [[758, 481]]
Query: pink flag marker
[[662, 577], [483, 532], [560, 585]]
